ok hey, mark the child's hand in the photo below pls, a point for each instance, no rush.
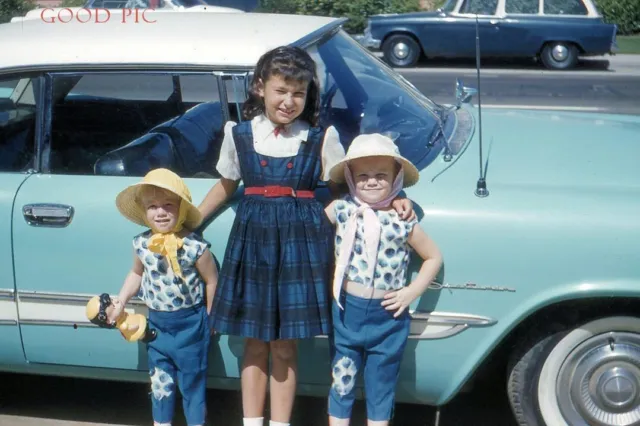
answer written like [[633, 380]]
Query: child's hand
[[114, 313], [398, 300], [404, 207]]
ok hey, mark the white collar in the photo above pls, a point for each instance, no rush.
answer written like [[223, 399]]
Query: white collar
[[263, 128]]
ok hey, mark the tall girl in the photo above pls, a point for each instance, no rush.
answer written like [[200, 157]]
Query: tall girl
[[275, 278]]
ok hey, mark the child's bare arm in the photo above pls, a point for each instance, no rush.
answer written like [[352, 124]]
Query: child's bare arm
[[130, 288], [330, 212], [209, 273], [430, 253], [217, 196]]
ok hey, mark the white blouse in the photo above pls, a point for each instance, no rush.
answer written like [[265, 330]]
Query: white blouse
[[285, 144]]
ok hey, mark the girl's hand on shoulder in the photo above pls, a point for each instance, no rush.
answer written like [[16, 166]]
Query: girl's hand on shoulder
[[398, 300], [404, 207]]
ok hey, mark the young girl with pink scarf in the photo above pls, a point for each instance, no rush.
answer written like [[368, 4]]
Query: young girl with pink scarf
[[371, 299]]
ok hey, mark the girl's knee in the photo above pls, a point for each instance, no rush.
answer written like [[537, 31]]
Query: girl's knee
[[284, 350]]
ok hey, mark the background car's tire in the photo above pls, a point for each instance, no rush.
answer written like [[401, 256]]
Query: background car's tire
[[401, 50], [587, 375], [559, 55]]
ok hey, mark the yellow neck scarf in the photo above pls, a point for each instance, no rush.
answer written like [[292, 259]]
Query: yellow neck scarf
[[167, 244]]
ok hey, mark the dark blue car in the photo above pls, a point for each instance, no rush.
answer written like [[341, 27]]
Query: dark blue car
[[555, 31]]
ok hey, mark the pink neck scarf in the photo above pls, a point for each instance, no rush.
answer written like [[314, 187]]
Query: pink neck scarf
[[372, 231]]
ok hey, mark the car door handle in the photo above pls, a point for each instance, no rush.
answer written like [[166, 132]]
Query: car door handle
[[51, 215]]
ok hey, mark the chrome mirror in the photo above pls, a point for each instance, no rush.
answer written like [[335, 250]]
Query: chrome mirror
[[463, 94]]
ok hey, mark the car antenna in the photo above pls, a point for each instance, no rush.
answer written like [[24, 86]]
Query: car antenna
[[481, 185]]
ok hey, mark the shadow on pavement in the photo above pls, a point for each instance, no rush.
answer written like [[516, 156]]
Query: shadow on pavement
[[65, 400]]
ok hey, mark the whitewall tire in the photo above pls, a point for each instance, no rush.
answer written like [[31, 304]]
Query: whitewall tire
[[585, 376]]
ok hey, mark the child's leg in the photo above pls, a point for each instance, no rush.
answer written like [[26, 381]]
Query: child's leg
[[191, 358], [163, 388], [384, 355], [254, 381], [284, 371], [346, 346]]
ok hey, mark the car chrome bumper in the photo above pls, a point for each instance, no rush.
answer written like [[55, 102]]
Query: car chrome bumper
[[614, 42], [367, 41]]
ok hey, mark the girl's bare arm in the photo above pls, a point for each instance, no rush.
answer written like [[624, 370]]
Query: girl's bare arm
[[217, 196], [130, 288], [330, 212], [209, 273], [428, 250]]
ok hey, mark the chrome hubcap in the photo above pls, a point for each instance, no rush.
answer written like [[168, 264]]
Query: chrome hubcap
[[599, 382], [401, 50], [559, 52]]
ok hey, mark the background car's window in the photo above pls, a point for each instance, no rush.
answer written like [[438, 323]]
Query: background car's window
[[522, 6], [17, 124], [564, 7], [479, 7], [362, 95], [128, 123], [449, 6]]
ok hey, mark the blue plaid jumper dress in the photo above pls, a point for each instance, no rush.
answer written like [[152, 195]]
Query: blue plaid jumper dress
[[274, 280]]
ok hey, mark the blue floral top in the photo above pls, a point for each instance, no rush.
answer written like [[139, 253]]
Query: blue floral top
[[160, 289]]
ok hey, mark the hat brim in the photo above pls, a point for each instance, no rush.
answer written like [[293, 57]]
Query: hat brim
[[129, 207], [411, 173]]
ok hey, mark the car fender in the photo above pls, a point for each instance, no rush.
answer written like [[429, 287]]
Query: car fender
[[497, 334]]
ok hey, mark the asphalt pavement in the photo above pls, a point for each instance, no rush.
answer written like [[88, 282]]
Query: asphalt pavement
[[608, 85], [51, 401]]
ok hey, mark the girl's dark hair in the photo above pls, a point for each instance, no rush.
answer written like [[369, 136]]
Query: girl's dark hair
[[290, 63]]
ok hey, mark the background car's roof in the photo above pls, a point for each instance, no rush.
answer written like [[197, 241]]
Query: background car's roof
[[177, 37]]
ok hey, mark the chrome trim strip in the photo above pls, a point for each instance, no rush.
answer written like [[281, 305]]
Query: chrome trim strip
[[6, 294], [452, 322], [458, 323], [453, 318], [8, 322], [57, 323], [46, 297]]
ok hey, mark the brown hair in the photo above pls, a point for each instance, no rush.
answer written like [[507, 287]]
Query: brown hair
[[291, 63]]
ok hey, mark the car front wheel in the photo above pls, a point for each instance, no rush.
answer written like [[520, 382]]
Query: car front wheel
[[401, 50], [559, 55], [589, 375]]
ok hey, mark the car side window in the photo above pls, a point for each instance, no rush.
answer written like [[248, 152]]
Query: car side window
[[127, 123], [479, 7], [522, 6], [564, 7], [17, 124]]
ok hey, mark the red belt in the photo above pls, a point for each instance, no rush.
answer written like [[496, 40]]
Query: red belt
[[277, 191]]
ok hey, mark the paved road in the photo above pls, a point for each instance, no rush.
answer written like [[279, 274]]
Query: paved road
[[588, 92], [50, 401]]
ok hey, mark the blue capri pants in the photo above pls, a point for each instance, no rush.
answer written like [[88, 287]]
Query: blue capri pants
[[178, 357], [366, 337]]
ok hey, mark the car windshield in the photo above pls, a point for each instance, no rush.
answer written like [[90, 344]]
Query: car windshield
[[360, 94]]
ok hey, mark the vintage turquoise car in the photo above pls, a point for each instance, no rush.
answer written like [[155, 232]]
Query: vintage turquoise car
[[541, 276], [557, 32]]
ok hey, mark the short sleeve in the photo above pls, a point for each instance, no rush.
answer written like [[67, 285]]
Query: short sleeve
[[201, 245], [409, 224], [332, 151], [228, 163]]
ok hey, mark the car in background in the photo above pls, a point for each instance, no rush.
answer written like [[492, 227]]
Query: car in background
[[540, 288], [557, 32], [158, 4]]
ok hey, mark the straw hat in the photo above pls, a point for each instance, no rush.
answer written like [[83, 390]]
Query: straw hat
[[129, 204], [374, 145]]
